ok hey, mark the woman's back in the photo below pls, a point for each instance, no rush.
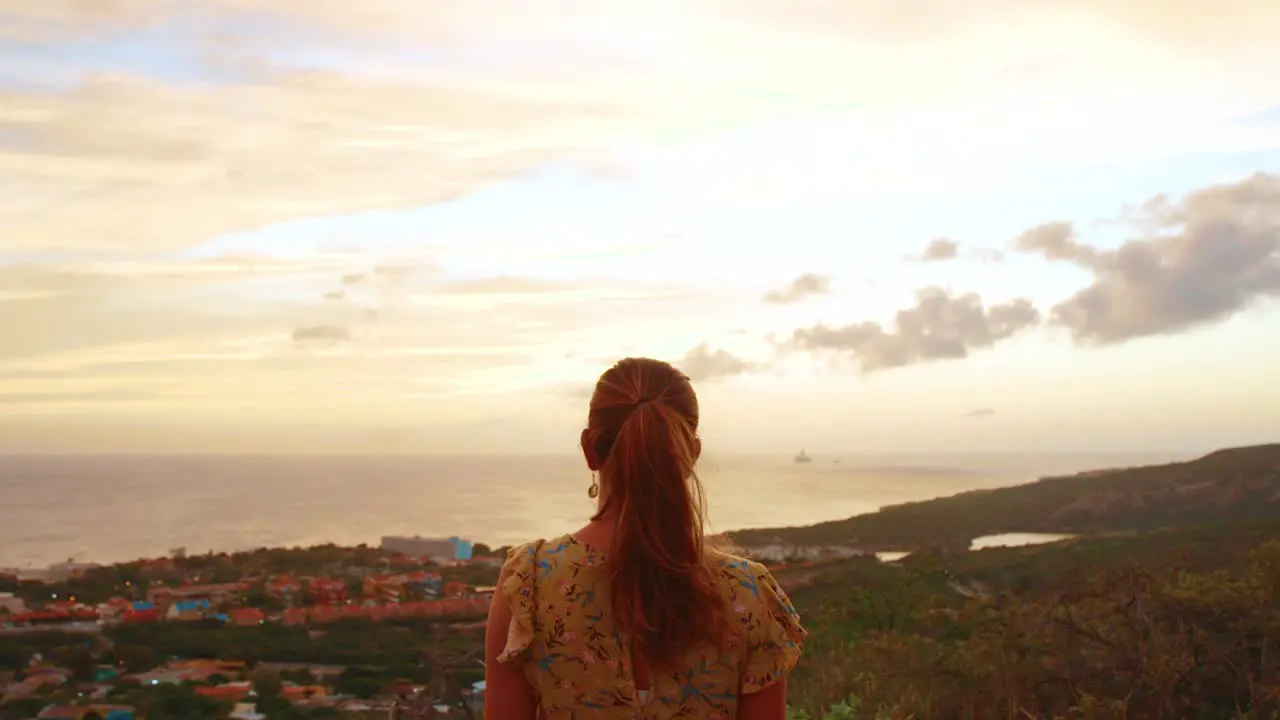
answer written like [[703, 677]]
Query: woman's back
[[635, 601], [577, 660]]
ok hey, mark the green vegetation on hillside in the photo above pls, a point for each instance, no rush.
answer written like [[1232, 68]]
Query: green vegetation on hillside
[[390, 643], [1239, 484], [1090, 628], [1167, 605], [67, 648]]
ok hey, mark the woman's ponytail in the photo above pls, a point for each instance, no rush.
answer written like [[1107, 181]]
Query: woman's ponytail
[[661, 587]]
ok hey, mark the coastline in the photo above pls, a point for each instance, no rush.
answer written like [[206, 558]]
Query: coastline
[[237, 504], [342, 627]]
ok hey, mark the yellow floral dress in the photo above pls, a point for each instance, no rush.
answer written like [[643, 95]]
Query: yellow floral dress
[[579, 666]]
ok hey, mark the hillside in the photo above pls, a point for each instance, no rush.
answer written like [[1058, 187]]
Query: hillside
[[1238, 484], [1174, 623]]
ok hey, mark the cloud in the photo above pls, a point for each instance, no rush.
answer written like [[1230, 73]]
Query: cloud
[[1203, 260], [206, 335], [334, 295], [244, 114], [983, 412], [331, 333], [354, 118], [938, 250], [940, 327], [799, 289], [56, 20], [943, 249], [52, 308], [506, 291], [702, 363], [105, 396], [987, 255], [1056, 241], [139, 165]]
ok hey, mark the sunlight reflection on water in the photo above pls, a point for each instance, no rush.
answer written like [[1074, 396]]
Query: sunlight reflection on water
[[116, 508]]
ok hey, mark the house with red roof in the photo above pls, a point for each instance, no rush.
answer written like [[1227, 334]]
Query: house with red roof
[[285, 587], [212, 595], [231, 691], [133, 615], [245, 617], [327, 591], [294, 616]]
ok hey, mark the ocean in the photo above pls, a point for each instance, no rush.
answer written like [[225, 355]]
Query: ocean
[[115, 508]]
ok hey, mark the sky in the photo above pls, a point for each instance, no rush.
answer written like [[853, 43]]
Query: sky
[[315, 226]]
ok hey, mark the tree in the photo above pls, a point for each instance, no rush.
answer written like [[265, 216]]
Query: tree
[[18, 708], [363, 688], [277, 707], [175, 702], [362, 682], [79, 660], [301, 676], [267, 686], [135, 658]]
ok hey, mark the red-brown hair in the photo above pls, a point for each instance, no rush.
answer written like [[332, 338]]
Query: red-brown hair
[[643, 427]]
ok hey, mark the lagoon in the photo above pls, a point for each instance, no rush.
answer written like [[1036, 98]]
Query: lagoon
[[1015, 540], [988, 541]]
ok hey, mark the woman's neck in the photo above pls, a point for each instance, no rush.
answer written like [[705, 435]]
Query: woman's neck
[[598, 533]]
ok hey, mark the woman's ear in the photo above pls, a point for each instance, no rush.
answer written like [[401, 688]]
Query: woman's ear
[[697, 448]]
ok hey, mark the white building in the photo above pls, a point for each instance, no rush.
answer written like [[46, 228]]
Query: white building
[[778, 552], [245, 711], [11, 604], [439, 550]]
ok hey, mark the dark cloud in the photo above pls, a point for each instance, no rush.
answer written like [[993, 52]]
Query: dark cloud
[[703, 363], [331, 333], [1196, 262], [938, 250], [1056, 241], [939, 327], [980, 413], [799, 289]]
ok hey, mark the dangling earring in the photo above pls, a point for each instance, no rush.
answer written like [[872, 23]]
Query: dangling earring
[[594, 491]]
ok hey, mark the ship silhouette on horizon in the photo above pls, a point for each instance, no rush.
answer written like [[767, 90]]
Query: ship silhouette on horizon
[[802, 457]]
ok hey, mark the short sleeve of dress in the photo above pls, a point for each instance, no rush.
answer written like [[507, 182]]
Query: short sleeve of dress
[[518, 589], [775, 643]]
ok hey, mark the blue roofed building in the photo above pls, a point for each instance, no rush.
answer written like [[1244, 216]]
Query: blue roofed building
[[440, 550], [188, 609]]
